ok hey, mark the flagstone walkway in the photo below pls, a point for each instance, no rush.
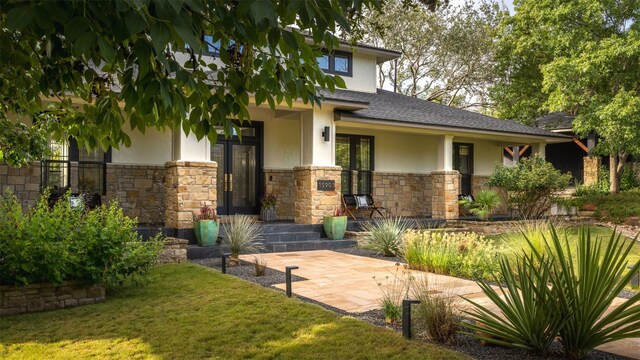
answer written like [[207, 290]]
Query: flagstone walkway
[[346, 282]]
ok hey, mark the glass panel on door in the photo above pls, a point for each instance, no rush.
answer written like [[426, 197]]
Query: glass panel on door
[[243, 182]]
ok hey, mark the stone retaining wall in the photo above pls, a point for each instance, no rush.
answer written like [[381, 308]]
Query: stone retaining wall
[[444, 199], [280, 183], [44, 297], [403, 194], [139, 189], [174, 251], [23, 182]]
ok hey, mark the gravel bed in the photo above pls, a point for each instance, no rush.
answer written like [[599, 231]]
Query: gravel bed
[[246, 271], [464, 343]]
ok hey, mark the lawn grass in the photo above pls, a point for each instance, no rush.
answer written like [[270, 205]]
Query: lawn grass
[[512, 241], [191, 312]]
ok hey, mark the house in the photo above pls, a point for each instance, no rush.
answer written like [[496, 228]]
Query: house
[[414, 156]]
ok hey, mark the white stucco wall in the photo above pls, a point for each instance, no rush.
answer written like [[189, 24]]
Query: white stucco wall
[[364, 73], [151, 148], [400, 152], [417, 153], [316, 151], [282, 142]]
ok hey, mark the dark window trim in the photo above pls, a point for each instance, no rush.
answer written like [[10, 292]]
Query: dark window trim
[[332, 63], [353, 140], [74, 156], [457, 164]]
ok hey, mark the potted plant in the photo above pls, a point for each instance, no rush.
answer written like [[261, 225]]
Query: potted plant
[[206, 226], [268, 208], [335, 225]]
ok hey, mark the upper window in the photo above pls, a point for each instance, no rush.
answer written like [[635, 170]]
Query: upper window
[[339, 63]]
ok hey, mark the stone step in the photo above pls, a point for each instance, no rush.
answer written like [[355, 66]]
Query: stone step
[[323, 244], [289, 236], [268, 228], [203, 252]]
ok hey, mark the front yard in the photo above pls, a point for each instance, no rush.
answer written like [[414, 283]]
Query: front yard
[[188, 311]]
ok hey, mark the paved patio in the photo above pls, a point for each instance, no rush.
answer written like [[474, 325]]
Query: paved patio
[[347, 282]]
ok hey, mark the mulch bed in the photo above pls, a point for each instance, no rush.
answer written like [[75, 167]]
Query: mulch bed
[[464, 343]]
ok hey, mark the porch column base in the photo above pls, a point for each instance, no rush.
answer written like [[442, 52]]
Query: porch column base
[[189, 185], [444, 199], [591, 169], [313, 204]]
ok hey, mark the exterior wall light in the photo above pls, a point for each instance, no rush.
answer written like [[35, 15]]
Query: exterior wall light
[[326, 134]]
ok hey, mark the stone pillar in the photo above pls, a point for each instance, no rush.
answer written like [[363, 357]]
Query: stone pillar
[[591, 169], [444, 198], [313, 204], [189, 185]]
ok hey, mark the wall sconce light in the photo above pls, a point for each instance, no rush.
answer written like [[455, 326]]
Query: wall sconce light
[[326, 134]]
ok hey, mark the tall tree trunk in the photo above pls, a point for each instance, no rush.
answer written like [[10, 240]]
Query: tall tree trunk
[[616, 166]]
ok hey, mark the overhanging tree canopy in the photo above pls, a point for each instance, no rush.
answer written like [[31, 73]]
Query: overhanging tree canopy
[[83, 68], [579, 56]]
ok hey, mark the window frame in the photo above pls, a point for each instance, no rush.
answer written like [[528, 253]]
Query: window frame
[[332, 63], [353, 141], [73, 151]]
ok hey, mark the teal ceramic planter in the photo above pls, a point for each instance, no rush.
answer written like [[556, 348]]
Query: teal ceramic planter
[[335, 227], [206, 232]]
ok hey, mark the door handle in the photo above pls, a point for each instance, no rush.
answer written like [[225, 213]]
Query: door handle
[[225, 179], [230, 182]]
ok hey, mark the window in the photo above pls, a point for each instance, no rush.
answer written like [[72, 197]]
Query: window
[[339, 63], [57, 170], [355, 154]]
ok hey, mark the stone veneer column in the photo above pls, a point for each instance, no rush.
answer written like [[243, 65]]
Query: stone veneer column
[[444, 198], [591, 169], [312, 205], [189, 184]]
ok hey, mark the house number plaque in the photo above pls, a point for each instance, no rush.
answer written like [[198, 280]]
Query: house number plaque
[[326, 185]]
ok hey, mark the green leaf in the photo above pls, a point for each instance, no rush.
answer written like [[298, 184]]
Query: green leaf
[[84, 43], [160, 36], [108, 53], [290, 40], [21, 16]]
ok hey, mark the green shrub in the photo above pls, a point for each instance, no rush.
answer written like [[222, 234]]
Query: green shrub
[[242, 235], [554, 294], [459, 254], [54, 244], [530, 185], [385, 235], [614, 207], [437, 314], [629, 179], [485, 202]]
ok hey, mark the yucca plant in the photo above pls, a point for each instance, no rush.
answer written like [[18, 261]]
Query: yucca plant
[[550, 293], [584, 288], [241, 234], [528, 319], [385, 234]]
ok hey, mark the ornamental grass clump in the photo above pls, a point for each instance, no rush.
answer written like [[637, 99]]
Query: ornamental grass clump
[[437, 315], [242, 235], [556, 294], [385, 234], [465, 254]]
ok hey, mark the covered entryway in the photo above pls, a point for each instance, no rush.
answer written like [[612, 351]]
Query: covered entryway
[[239, 160]]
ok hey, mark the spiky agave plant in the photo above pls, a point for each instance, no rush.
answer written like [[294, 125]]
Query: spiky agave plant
[[242, 235], [385, 234]]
